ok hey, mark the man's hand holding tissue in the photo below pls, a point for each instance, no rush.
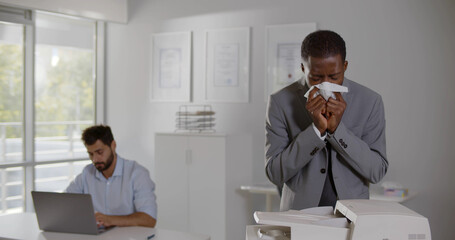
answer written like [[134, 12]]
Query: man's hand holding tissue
[[316, 106], [335, 111], [326, 115]]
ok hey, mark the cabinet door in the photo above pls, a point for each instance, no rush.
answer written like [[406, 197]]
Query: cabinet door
[[172, 181], [207, 195]]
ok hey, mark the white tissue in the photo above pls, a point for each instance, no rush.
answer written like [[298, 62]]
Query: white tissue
[[326, 90]]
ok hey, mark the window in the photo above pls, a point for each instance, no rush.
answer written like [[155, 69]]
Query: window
[[11, 91], [64, 85], [50, 90]]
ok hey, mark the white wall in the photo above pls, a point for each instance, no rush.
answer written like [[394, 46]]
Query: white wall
[[402, 49], [105, 10]]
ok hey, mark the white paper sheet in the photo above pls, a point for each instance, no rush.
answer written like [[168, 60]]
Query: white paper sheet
[[289, 61], [170, 67], [226, 65]]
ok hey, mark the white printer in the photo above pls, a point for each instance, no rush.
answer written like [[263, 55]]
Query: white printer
[[351, 220]]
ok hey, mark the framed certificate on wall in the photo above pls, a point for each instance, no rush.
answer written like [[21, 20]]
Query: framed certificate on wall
[[170, 76], [227, 55], [283, 54]]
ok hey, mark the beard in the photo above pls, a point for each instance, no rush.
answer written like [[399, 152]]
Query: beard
[[104, 166]]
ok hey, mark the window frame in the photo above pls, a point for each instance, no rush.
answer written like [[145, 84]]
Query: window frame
[[26, 17]]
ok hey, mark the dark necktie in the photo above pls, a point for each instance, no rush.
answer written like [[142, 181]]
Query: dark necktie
[[329, 194]]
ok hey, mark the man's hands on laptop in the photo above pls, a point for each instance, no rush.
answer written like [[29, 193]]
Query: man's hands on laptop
[[103, 220], [134, 219]]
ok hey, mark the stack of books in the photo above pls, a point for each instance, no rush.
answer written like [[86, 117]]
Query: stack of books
[[198, 118]]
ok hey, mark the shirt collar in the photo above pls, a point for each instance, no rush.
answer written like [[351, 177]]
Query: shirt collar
[[119, 166]]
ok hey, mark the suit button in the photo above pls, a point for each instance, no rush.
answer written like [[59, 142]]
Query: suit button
[[322, 170], [314, 151]]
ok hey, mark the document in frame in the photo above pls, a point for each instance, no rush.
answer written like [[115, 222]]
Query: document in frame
[[226, 67], [288, 63], [170, 67]]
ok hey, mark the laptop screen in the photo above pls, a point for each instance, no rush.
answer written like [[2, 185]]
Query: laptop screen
[[65, 212]]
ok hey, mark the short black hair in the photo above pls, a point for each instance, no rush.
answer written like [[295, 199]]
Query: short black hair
[[97, 132], [323, 43]]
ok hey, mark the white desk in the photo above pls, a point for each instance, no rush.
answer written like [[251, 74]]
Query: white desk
[[25, 226], [270, 191]]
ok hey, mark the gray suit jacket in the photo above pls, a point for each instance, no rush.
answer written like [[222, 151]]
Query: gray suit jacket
[[296, 156]]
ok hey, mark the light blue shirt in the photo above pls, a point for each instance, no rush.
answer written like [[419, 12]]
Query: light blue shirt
[[127, 191]]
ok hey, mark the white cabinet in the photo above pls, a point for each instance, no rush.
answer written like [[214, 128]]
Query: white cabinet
[[197, 183]]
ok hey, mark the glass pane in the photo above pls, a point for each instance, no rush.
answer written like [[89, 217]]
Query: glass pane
[[56, 177], [64, 86], [11, 91], [12, 190]]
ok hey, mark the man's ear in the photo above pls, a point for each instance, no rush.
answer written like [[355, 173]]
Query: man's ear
[[113, 145], [345, 65], [303, 67]]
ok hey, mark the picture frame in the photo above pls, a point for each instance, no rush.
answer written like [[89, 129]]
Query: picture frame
[[283, 58], [170, 74], [227, 60]]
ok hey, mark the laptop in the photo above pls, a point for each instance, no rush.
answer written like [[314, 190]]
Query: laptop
[[65, 212]]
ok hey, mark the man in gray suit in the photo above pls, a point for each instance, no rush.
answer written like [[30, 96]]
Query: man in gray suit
[[318, 150]]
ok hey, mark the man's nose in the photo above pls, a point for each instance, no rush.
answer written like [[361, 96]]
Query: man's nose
[[96, 157]]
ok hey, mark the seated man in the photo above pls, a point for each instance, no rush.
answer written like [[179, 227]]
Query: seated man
[[122, 191]]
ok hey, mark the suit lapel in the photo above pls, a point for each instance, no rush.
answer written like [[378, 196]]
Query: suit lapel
[[347, 97], [300, 91]]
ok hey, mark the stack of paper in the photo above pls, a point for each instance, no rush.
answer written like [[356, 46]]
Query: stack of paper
[[195, 118], [394, 190]]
